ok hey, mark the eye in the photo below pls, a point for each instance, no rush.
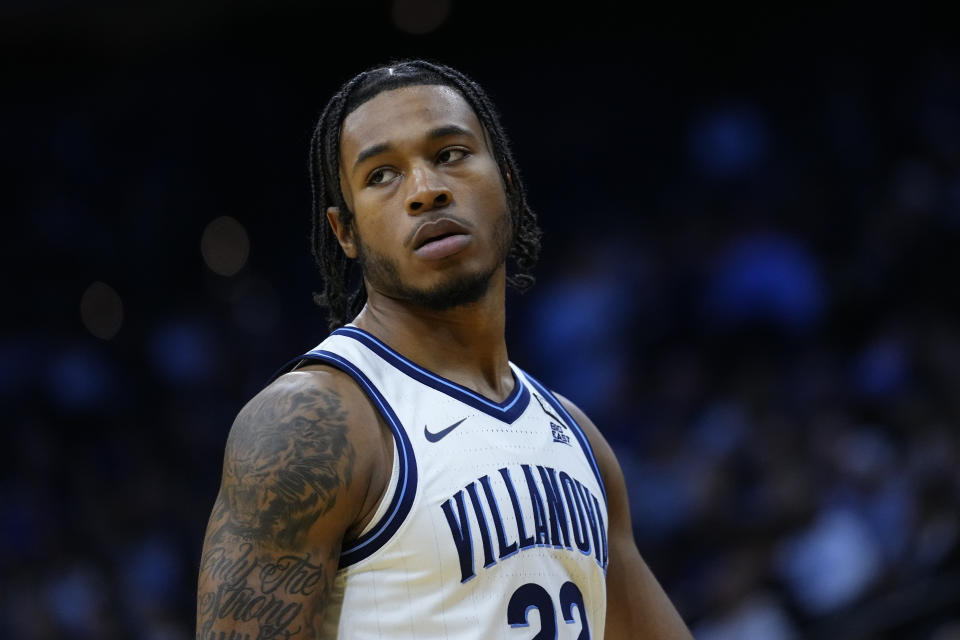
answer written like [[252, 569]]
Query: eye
[[452, 155], [381, 176]]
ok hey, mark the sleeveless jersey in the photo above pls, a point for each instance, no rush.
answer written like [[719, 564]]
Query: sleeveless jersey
[[494, 523]]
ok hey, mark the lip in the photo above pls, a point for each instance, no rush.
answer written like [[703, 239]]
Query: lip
[[434, 229], [445, 247]]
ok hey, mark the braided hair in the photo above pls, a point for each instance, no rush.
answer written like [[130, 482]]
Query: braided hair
[[343, 291]]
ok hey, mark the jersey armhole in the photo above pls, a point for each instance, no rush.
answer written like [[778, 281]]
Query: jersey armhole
[[397, 500], [387, 496]]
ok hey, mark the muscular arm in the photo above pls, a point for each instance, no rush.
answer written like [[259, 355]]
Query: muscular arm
[[293, 485], [637, 607]]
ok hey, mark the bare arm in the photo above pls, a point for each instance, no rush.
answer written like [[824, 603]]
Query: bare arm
[[637, 607], [293, 486]]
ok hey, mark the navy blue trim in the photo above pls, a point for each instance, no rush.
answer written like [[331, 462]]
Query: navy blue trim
[[507, 411], [406, 489], [287, 368], [575, 427]]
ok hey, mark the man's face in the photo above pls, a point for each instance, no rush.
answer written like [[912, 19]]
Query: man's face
[[431, 223]]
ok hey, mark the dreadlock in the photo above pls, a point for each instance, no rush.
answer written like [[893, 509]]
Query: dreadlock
[[343, 291]]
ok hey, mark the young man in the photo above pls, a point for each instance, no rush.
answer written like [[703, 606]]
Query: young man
[[404, 479]]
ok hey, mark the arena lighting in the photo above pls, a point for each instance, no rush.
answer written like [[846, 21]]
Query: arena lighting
[[101, 310], [419, 17], [225, 246]]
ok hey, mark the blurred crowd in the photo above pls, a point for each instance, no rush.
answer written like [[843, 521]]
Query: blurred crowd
[[763, 321]]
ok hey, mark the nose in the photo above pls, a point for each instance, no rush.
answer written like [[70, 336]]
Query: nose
[[426, 193]]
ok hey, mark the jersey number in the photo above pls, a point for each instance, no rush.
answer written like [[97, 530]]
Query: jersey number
[[533, 596]]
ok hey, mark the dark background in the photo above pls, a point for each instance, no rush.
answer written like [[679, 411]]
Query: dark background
[[749, 282]]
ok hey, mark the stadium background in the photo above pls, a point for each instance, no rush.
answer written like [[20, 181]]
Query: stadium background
[[749, 281]]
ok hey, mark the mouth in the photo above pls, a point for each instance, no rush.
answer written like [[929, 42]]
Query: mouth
[[437, 238], [436, 230], [440, 239]]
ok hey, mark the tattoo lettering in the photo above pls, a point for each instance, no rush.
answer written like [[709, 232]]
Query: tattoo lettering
[[287, 456], [249, 590]]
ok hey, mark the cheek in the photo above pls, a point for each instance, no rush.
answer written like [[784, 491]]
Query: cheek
[[502, 204], [377, 209], [493, 190], [376, 232]]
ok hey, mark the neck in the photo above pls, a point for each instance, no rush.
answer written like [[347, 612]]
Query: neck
[[465, 344]]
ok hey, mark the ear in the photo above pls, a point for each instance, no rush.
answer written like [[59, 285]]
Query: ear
[[343, 232]]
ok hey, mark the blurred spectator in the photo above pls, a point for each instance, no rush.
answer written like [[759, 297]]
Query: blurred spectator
[[748, 282]]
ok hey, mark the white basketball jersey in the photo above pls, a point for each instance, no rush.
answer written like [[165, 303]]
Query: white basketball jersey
[[494, 525]]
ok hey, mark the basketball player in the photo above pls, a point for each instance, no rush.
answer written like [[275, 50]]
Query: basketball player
[[404, 479]]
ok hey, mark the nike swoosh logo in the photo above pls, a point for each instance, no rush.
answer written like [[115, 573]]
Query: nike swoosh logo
[[435, 437]]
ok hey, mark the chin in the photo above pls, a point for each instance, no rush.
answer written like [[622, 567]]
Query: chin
[[459, 284], [456, 292]]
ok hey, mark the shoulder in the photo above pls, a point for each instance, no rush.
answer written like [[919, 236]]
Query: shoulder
[[310, 401], [307, 446], [314, 407]]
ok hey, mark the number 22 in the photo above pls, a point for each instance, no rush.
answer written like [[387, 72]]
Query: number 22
[[533, 596]]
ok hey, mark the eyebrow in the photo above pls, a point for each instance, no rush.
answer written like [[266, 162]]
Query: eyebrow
[[369, 152], [433, 134], [449, 130]]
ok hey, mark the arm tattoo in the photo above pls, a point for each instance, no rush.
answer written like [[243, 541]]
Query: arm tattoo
[[278, 480], [268, 591], [287, 455]]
